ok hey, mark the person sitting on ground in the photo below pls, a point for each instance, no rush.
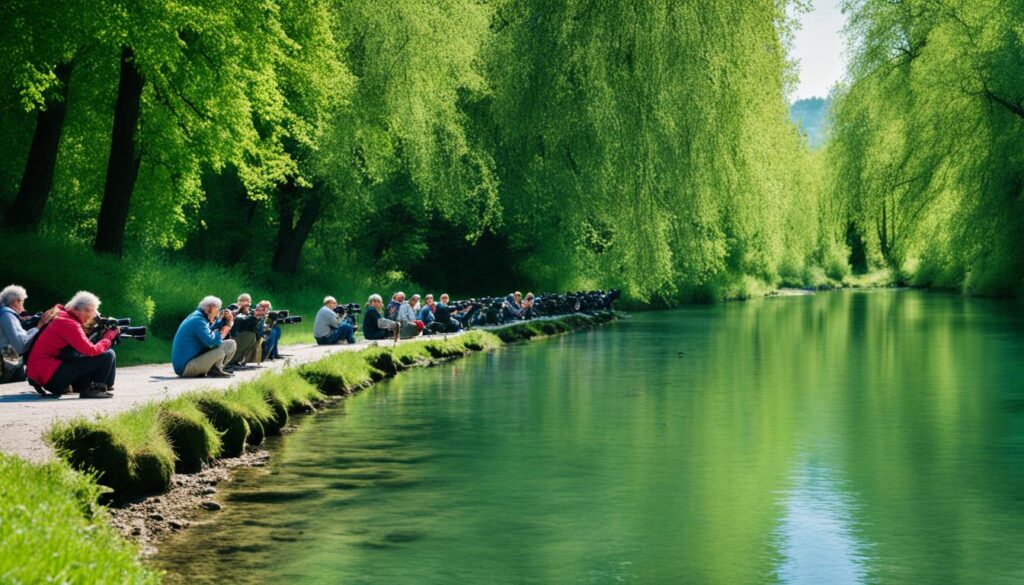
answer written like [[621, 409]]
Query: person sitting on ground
[[443, 322], [512, 310], [410, 325], [329, 328], [375, 326], [199, 347], [396, 303], [528, 310], [271, 335], [426, 313], [89, 368], [247, 331], [15, 340]]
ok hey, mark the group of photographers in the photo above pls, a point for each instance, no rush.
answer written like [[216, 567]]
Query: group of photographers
[[213, 340], [68, 348], [54, 353]]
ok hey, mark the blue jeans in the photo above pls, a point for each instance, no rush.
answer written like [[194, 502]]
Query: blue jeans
[[270, 347], [344, 331]]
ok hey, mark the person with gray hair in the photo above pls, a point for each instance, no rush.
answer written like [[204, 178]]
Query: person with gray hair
[[15, 336], [90, 367], [329, 328], [199, 347], [375, 326]]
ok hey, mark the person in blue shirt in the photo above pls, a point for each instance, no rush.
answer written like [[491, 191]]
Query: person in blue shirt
[[199, 347], [272, 334]]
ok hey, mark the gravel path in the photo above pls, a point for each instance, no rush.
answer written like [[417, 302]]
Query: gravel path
[[25, 416]]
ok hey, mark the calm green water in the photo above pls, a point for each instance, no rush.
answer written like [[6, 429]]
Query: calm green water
[[850, 437]]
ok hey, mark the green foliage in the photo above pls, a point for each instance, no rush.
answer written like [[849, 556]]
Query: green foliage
[[927, 141], [53, 530]]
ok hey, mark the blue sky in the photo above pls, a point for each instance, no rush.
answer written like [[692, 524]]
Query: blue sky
[[819, 46]]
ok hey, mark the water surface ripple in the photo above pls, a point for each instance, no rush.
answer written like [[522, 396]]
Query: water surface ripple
[[849, 437]]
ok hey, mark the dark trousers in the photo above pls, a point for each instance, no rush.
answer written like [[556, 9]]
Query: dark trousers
[[80, 373], [343, 331]]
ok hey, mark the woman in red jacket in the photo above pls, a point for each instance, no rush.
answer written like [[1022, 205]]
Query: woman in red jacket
[[91, 373]]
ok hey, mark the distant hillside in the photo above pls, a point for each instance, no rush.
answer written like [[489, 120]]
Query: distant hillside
[[811, 116]]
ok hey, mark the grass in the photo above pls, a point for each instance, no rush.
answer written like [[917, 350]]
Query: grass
[[53, 531]]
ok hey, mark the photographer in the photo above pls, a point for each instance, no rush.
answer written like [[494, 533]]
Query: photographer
[[426, 314], [89, 368], [376, 326], [247, 331], [199, 347], [271, 335], [329, 327], [512, 310], [410, 325], [15, 336], [529, 312]]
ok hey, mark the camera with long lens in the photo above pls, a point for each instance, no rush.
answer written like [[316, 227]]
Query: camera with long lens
[[123, 325], [350, 309], [281, 317], [29, 320]]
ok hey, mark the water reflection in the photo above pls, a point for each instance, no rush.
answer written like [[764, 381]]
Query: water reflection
[[841, 438]]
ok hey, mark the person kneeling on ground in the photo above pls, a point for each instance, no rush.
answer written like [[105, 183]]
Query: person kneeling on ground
[[247, 331], [272, 334], [512, 310], [63, 356], [410, 325], [329, 328], [374, 325], [199, 347], [15, 339]]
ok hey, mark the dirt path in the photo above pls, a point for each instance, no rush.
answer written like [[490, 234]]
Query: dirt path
[[25, 416]]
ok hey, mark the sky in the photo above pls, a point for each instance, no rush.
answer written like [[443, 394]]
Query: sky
[[818, 46]]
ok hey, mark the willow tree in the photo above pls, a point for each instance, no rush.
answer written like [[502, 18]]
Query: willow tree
[[414, 65], [636, 140], [927, 147]]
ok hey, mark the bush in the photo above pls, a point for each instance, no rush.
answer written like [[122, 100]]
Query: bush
[[53, 530]]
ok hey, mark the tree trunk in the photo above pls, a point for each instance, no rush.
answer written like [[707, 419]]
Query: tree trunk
[[36, 182], [292, 235], [123, 164]]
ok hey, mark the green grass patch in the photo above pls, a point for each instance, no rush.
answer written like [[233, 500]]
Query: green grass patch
[[229, 419], [341, 373], [130, 452], [193, 437], [53, 530]]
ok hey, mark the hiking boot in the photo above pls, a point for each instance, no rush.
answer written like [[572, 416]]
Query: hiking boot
[[96, 390], [218, 373]]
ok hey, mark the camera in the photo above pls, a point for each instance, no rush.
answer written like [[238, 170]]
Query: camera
[[282, 317], [351, 308], [28, 320], [123, 325]]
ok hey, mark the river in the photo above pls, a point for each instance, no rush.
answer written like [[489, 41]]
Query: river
[[845, 437]]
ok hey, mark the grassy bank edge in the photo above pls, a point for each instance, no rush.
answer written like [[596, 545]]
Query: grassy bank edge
[[135, 453]]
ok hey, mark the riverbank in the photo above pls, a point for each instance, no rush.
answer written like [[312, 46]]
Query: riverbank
[[159, 444]]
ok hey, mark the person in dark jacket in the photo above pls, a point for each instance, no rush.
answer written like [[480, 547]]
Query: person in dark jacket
[[374, 325], [89, 369]]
